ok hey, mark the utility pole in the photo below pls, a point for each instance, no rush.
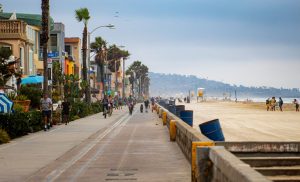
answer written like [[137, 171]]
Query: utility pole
[[123, 79]]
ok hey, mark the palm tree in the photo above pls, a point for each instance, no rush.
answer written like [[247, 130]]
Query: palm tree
[[100, 46], [44, 41], [83, 15], [141, 73], [114, 55]]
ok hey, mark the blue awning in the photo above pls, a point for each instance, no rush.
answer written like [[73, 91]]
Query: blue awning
[[5, 104], [32, 79]]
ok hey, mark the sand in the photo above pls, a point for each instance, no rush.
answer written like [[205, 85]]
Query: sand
[[249, 122]]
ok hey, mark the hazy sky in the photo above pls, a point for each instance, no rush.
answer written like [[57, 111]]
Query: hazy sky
[[249, 42]]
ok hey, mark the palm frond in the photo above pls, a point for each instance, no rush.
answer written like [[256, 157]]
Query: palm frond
[[82, 14]]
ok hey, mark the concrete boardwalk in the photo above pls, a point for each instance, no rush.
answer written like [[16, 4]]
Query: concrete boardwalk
[[120, 148]]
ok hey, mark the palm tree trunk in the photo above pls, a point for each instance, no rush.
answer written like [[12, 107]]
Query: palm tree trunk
[[44, 39], [84, 69]]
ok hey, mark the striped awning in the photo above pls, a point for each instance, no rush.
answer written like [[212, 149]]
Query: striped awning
[[5, 104]]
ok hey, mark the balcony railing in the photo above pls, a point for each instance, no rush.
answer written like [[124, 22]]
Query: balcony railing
[[13, 29]]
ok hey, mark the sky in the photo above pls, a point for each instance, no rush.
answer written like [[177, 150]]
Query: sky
[[248, 42]]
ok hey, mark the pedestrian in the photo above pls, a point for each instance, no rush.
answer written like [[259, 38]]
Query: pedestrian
[[153, 104], [280, 103], [46, 107], [146, 102], [273, 104], [66, 111], [105, 105], [268, 104], [296, 104]]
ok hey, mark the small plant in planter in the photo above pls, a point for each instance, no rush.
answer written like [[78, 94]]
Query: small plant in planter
[[12, 95], [23, 101]]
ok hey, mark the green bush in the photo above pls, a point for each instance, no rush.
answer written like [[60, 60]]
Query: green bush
[[35, 121], [81, 109], [21, 123], [96, 107], [16, 124], [4, 138], [33, 93], [75, 118]]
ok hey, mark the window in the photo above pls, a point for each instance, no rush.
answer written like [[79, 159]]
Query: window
[[53, 42], [49, 73], [68, 49]]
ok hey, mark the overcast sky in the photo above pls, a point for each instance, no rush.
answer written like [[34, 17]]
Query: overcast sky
[[249, 42]]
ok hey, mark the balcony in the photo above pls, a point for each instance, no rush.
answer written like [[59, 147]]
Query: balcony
[[13, 29]]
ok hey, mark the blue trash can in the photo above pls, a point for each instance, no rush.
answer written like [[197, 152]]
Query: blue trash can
[[172, 108], [212, 130], [187, 117], [172, 102], [179, 108]]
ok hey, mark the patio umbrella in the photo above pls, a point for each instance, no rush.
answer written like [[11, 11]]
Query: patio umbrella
[[32, 79], [5, 104]]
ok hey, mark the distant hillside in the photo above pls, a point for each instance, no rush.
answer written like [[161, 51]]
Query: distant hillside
[[172, 84]]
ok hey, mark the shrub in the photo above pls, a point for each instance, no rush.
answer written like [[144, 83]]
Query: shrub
[[96, 107], [35, 121], [18, 108], [74, 118], [21, 97], [20, 123], [4, 138], [81, 109]]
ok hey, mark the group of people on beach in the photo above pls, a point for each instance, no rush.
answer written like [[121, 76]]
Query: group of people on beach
[[272, 103]]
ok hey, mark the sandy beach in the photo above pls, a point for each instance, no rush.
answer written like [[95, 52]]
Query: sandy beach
[[249, 121]]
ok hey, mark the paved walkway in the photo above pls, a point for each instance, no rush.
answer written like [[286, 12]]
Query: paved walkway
[[121, 148]]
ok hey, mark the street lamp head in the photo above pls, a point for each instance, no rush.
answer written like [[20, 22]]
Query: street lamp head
[[110, 26]]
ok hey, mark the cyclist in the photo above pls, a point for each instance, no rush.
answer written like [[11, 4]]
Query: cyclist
[[105, 106]]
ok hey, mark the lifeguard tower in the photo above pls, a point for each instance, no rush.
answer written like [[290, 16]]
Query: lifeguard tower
[[200, 94]]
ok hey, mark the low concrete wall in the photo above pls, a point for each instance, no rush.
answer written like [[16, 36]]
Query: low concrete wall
[[218, 164], [263, 147], [185, 134]]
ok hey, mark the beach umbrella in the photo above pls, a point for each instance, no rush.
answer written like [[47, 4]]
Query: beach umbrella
[[5, 104], [32, 79]]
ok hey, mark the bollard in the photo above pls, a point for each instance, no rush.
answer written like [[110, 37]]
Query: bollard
[[160, 112], [164, 117], [194, 154], [172, 130]]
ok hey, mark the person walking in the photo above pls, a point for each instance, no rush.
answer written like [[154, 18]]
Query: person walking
[[296, 104], [152, 104], [280, 103], [146, 102], [268, 104], [66, 111], [273, 104], [105, 105], [46, 107]]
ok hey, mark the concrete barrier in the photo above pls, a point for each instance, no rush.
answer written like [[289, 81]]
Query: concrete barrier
[[249, 161], [232, 161], [185, 134], [172, 130], [218, 164]]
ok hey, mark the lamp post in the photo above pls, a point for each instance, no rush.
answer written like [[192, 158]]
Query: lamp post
[[110, 26]]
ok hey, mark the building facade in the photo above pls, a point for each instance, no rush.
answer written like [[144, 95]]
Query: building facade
[[73, 49]]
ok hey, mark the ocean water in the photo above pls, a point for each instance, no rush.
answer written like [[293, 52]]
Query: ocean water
[[285, 100], [258, 99]]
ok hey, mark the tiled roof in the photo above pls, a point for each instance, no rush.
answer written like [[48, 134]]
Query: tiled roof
[[72, 39], [30, 19]]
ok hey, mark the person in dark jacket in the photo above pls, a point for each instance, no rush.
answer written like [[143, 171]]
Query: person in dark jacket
[[66, 111], [280, 103]]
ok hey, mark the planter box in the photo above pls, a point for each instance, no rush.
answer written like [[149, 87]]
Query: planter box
[[24, 103]]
